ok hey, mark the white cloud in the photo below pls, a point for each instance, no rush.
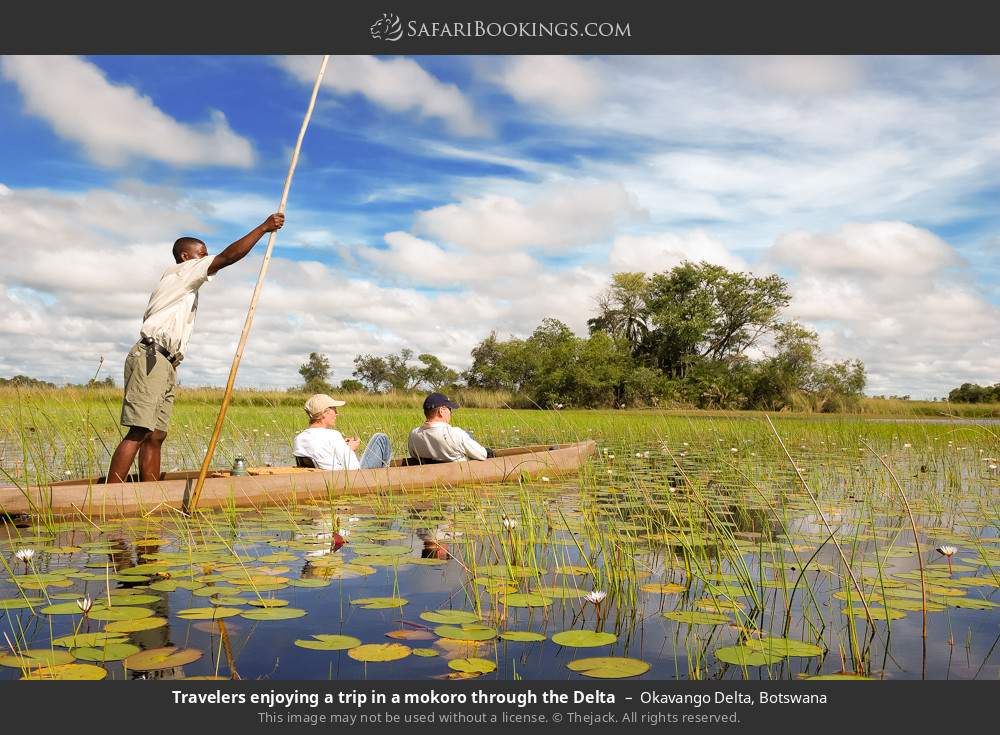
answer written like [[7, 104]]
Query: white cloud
[[881, 249], [114, 122], [399, 85], [660, 252], [895, 296], [551, 217], [421, 262], [561, 84]]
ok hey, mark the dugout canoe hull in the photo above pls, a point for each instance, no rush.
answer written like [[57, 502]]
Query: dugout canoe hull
[[281, 485]]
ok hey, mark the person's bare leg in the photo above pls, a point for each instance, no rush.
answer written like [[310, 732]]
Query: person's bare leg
[[121, 460], [149, 456]]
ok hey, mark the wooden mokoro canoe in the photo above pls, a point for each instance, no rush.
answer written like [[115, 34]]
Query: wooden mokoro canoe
[[269, 485]]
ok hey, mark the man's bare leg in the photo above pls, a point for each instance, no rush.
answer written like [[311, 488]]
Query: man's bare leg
[[121, 460], [149, 455]]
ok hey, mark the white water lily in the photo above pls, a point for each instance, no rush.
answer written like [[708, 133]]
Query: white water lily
[[85, 604], [344, 532], [509, 523], [25, 555], [317, 553], [948, 551], [596, 597], [353, 519], [545, 479]]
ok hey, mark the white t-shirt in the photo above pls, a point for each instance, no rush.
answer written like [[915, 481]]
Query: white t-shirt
[[173, 305], [326, 448], [444, 442]]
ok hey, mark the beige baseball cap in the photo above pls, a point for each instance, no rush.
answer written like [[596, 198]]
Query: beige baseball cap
[[318, 403]]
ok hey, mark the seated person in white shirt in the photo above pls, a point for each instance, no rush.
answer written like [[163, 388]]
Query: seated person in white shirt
[[327, 447], [436, 440]]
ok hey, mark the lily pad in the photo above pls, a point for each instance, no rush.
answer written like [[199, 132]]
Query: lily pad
[[274, 613], [526, 599], [609, 667], [309, 583], [16, 603], [329, 642], [467, 632], [372, 652], [425, 652], [135, 626], [522, 636], [583, 638], [155, 659], [472, 665], [785, 647], [65, 672], [746, 656], [34, 657], [694, 617], [449, 617], [121, 613], [209, 613], [666, 588], [410, 635], [561, 593], [83, 640], [379, 603], [109, 652]]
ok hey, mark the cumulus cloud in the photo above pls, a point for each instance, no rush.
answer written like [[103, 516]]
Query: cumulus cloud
[[425, 263], [74, 284], [897, 297], [115, 123], [560, 84], [548, 217], [660, 252], [399, 85]]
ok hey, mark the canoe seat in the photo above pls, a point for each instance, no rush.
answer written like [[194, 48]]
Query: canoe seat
[[305, 462], [414, 461]]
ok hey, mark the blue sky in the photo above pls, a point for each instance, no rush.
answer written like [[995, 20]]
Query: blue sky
[[439, 198]]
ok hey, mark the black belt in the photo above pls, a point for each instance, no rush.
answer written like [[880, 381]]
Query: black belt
[[152, 347]]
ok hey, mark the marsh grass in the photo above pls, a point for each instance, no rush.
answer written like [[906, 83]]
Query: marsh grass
[[776, 530]]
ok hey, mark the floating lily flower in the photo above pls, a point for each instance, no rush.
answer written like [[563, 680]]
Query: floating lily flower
[[85, 604], [25, 555], [344, 532], [509, 523], [947, 552], [596, 597], [353, 519], [544, 478]]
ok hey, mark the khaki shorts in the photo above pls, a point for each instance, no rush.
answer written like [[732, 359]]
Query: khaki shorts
[[149, 397]]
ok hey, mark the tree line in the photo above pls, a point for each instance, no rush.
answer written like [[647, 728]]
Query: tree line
[[973, 393], [697, 334]]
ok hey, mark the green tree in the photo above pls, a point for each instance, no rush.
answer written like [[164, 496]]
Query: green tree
[[350, 385], [315, 372], [709, 312], [622, 310], [435, 373], [372, 371]]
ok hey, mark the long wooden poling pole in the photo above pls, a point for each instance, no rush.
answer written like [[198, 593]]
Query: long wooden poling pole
[[192, 502]]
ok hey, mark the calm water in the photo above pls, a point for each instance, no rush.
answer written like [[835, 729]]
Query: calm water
[[629, 521]]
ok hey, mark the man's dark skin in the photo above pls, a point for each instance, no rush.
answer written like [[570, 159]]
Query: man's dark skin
[[147, 442]]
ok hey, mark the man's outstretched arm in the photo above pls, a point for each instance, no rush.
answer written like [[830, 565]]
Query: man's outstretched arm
[[245, 244]]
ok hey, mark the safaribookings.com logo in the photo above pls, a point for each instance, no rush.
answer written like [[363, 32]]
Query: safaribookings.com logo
[[390, 28]]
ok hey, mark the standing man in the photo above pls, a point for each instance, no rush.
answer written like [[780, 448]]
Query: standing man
[[436, 440], [151, 365]]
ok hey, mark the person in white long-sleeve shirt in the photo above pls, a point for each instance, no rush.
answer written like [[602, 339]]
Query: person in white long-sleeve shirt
[[327, 447], [436, 440]]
